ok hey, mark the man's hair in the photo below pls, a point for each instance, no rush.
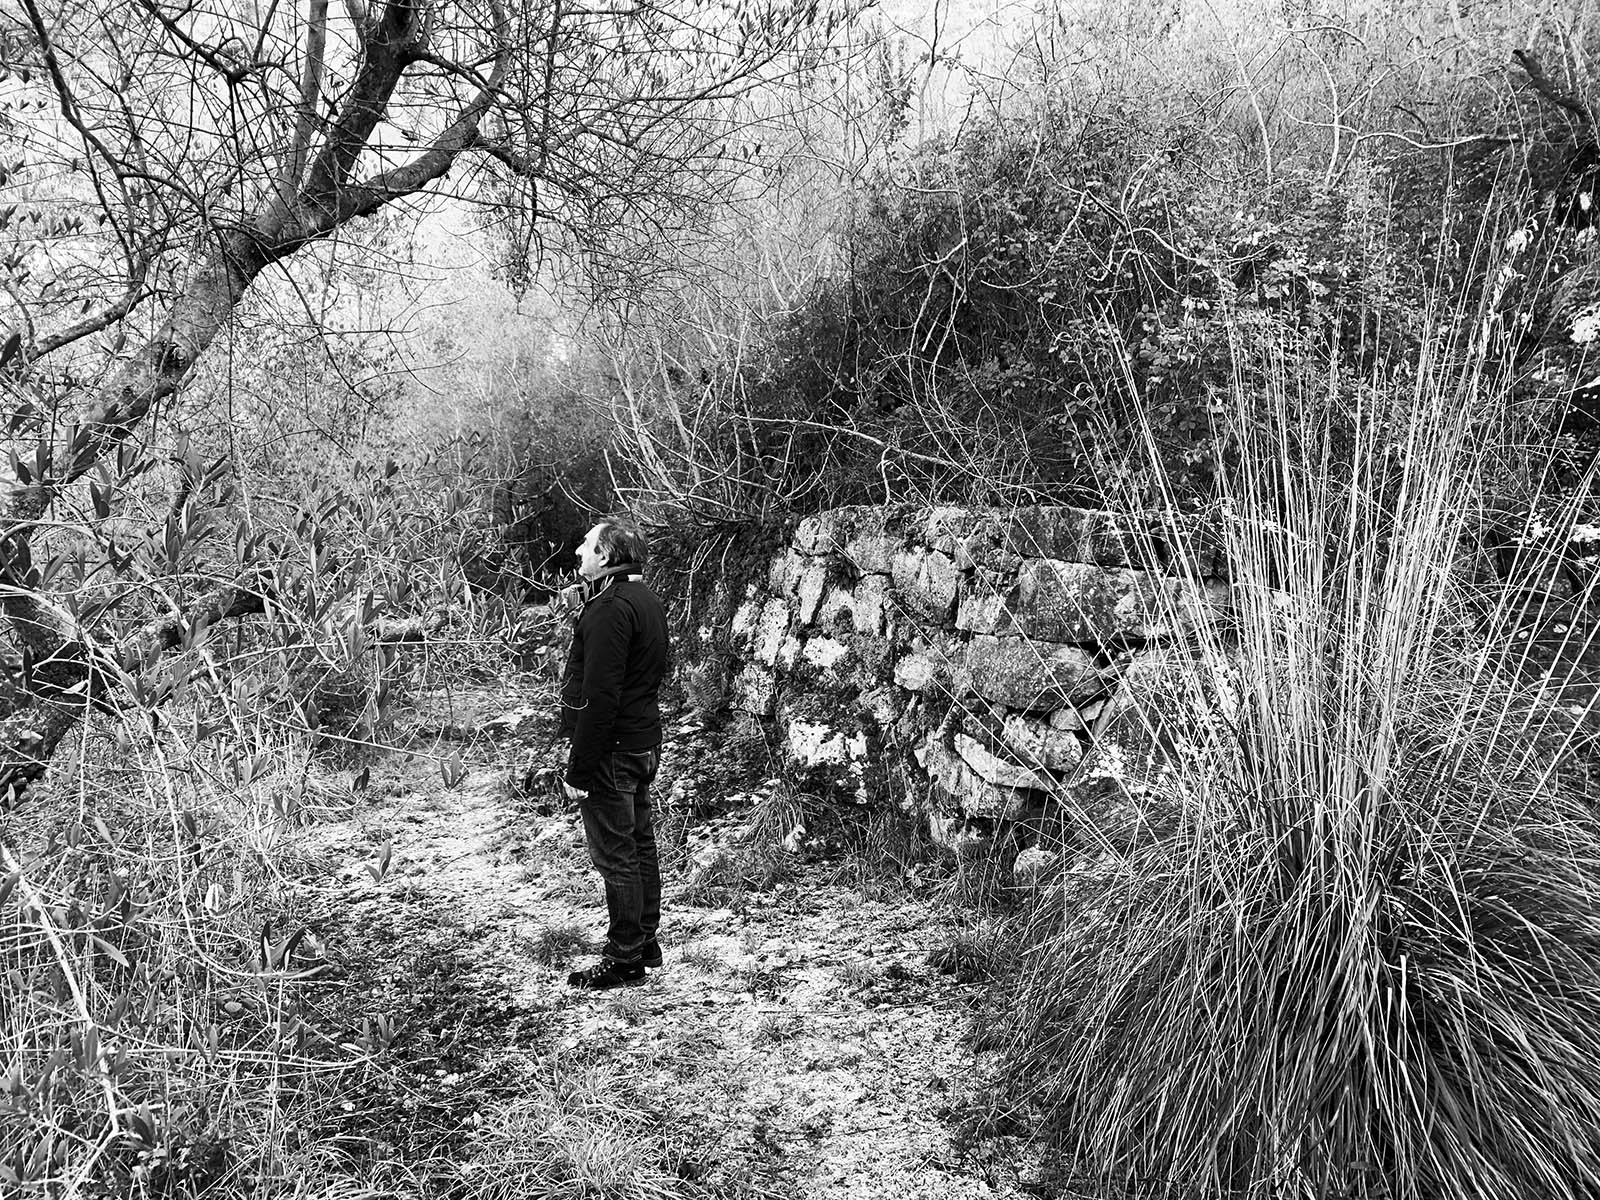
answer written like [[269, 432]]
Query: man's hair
[[622, 542]]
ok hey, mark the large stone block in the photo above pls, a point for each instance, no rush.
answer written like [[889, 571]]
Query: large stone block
[[870, 612], [754, 690], [1106, 539], [1032, 676], [872, 551], [1154, 701], [825, 654], [925, 581], [811, 588], [980, 553], [1110, 801], [984, 547], [1045, 532], [1083, 604], [837, 611], [814, 744], [1000, 537], [923, 671], [1037, 742], [955, 783], [1034, 867], [761, 635], [784, 574], [789, 652], [824, 532], [982, 609], [995, 769], [1125, 791], [1076, 717], [946, 522], [741, 629]]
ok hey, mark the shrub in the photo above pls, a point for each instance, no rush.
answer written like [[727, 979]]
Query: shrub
[[996, 279], [1361, 958]]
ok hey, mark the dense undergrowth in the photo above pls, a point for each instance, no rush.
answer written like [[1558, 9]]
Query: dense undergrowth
[[154, 1001], [1001, 281]]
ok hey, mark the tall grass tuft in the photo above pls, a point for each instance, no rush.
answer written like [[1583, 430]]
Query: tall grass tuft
[[575, 1134], [1361, 957]]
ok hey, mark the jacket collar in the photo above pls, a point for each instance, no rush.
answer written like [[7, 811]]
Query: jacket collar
[[608, 576]]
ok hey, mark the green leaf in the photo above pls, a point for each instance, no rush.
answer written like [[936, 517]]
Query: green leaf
[[452, 771], [381, 868], [110, 951]]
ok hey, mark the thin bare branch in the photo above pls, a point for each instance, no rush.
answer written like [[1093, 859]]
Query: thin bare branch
[[310, 92]]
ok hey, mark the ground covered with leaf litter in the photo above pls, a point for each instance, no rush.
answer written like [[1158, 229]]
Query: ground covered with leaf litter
[[800, 1041]]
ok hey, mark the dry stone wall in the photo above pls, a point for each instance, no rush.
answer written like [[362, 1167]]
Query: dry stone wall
[[981, 664]]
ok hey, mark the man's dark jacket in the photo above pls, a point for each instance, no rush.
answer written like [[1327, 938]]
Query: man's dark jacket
[[614, 670]]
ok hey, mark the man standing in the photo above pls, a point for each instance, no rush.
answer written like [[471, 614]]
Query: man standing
[[609, 708]]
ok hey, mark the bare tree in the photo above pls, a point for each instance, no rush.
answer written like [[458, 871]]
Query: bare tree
[[172, 151]]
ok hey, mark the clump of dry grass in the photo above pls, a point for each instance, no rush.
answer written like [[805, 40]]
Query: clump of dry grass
[[555, 942], [973, 955], [774, 1029], [575, 1134], [1361, 958], [731, 876]]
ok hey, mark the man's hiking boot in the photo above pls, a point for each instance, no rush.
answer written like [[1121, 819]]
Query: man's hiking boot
[[607, 973]]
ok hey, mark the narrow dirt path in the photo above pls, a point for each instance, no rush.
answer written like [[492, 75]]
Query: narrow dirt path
[[796, 1043]]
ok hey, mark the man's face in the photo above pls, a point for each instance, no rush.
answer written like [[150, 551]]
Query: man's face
[[591, 558]]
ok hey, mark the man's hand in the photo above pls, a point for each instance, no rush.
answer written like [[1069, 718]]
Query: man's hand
[[571, 793]]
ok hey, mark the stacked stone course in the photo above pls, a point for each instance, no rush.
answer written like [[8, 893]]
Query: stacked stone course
[[982, 656]]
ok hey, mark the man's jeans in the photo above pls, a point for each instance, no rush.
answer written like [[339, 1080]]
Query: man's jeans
[[622, 846]]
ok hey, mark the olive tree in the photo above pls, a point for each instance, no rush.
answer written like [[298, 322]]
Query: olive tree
[[167, 154]]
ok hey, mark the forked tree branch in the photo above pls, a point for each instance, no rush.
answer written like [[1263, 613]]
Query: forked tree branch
[[306, 195]]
